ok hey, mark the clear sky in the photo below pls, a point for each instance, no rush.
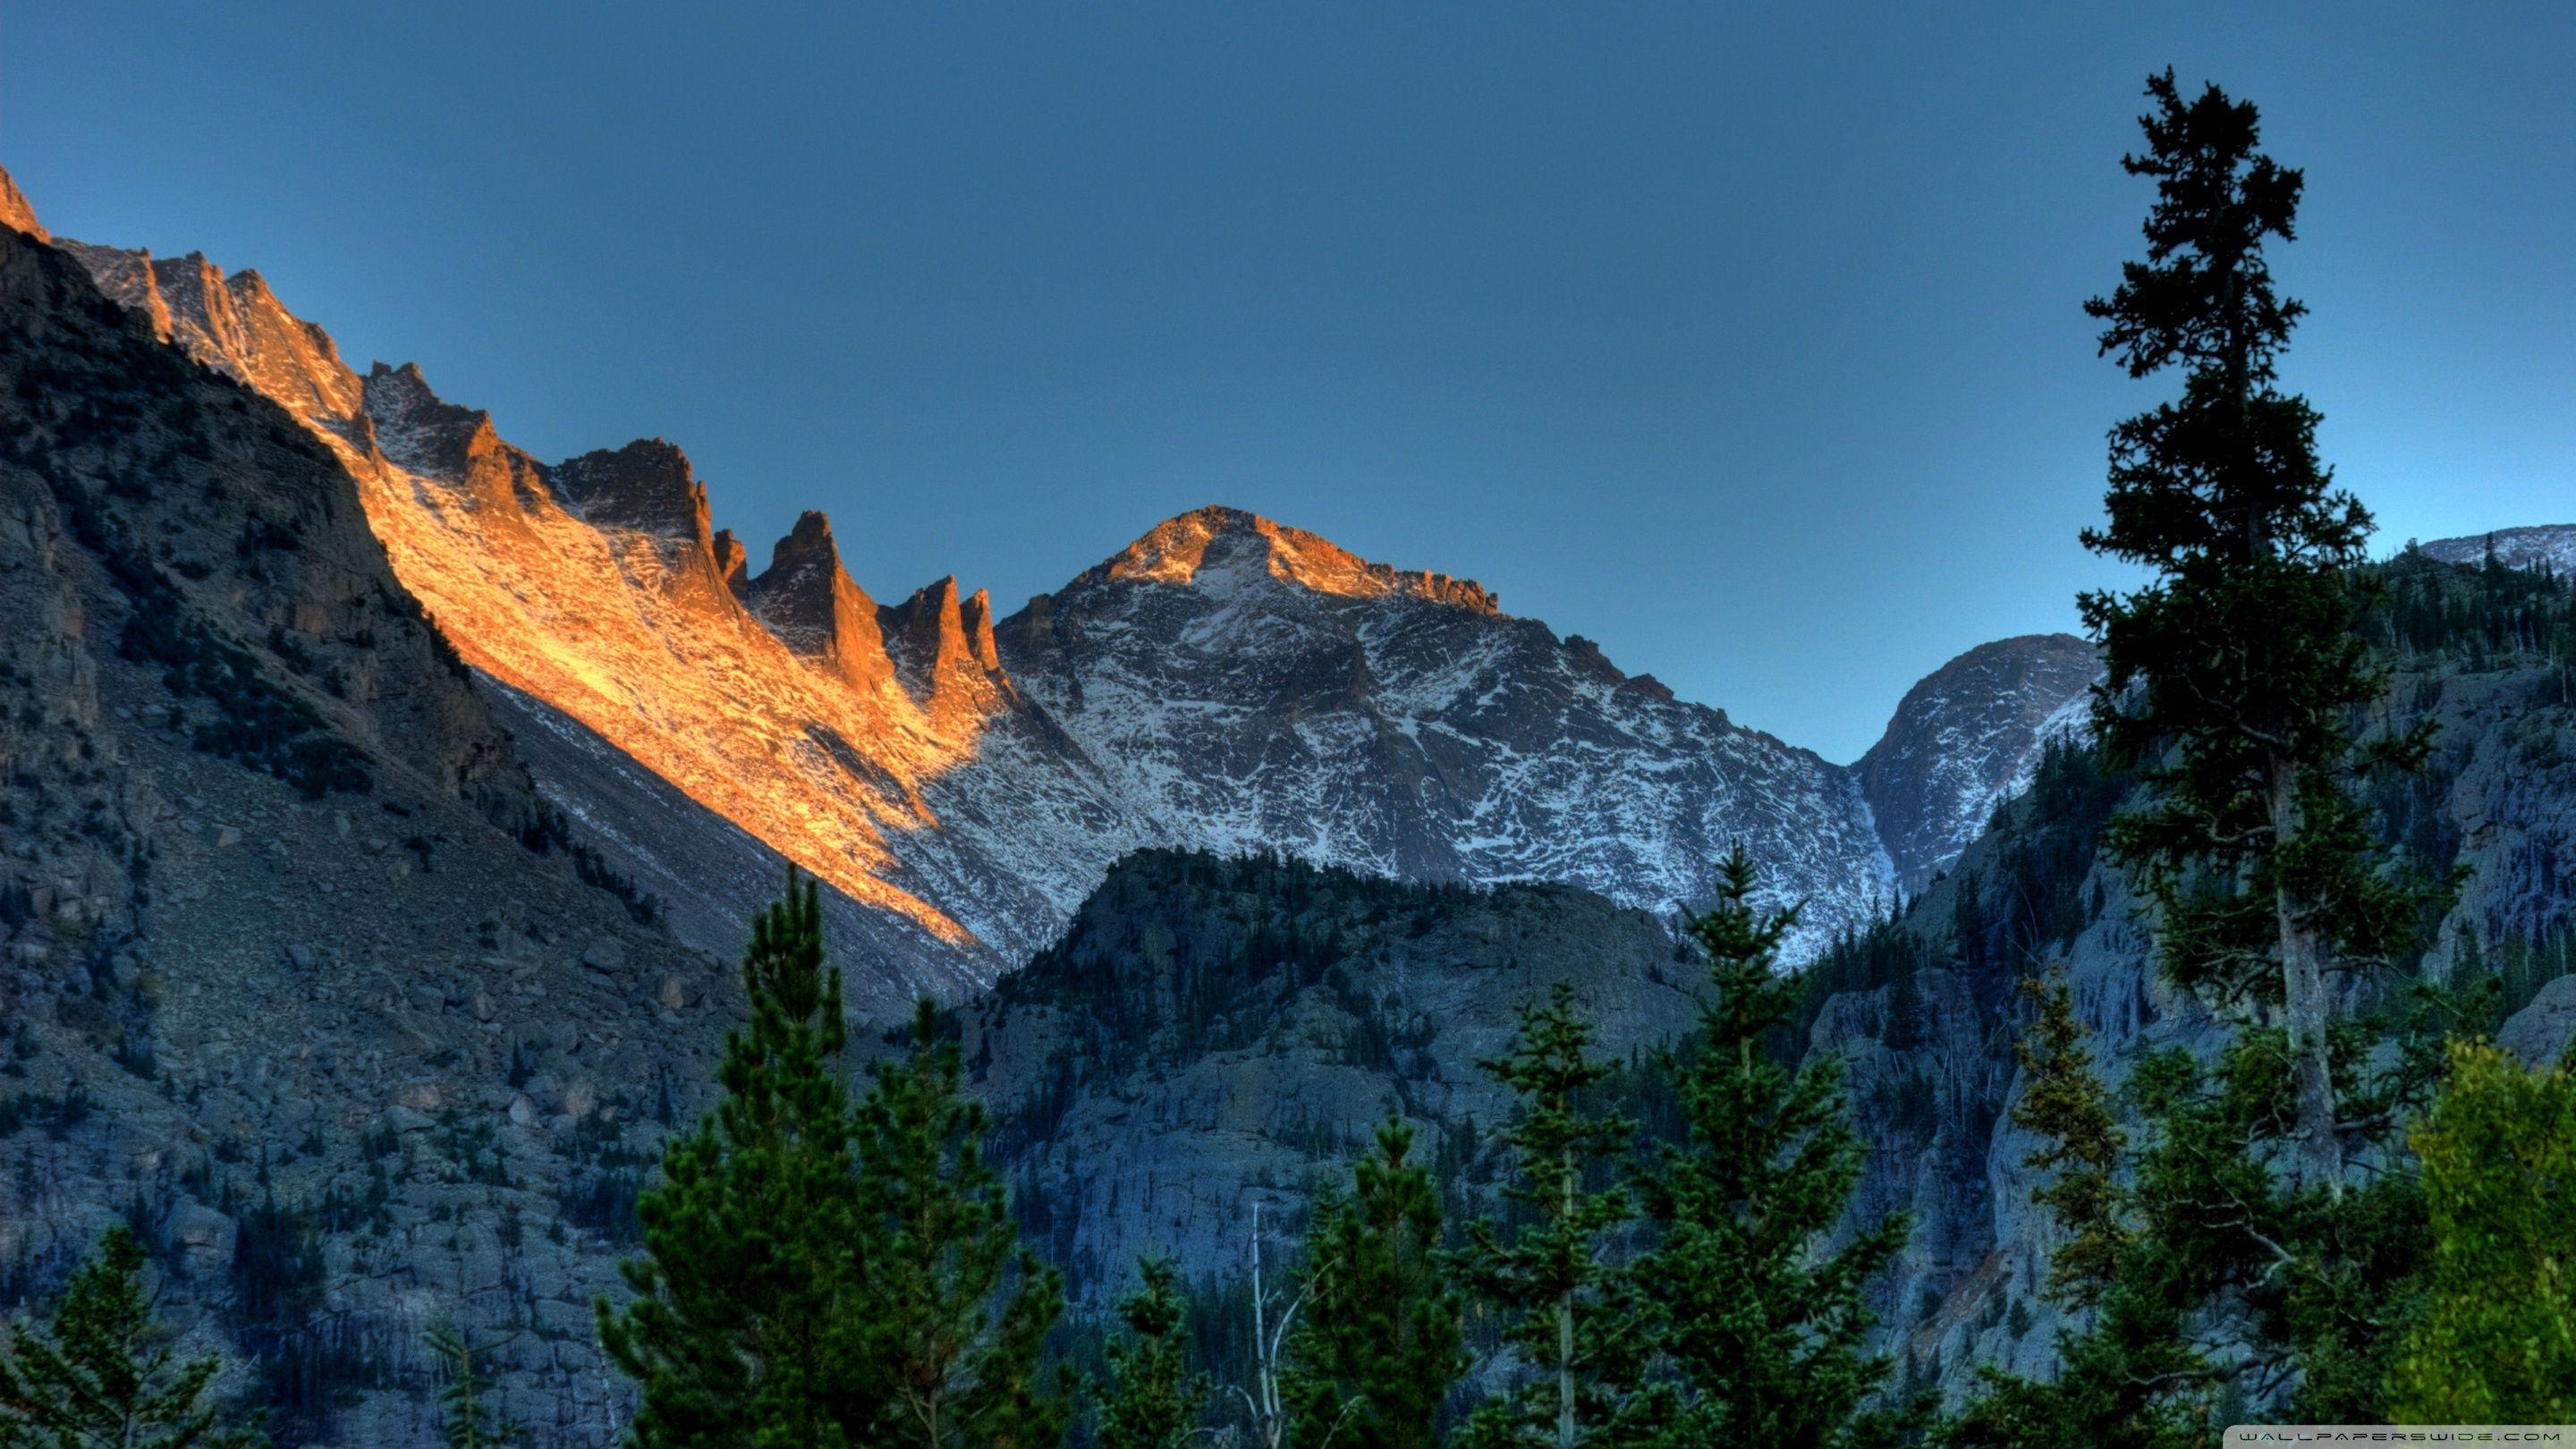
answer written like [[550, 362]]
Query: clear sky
[[1746, 343]]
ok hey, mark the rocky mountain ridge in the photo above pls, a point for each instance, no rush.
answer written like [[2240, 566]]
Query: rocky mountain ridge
[[300, 977], [2549, 545], [962, 781], [1966, 739]]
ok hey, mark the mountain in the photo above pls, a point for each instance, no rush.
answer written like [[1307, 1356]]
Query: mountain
[[1928, 1005], [962, 781], [2549, 545], [299, 975], [1250, 686], [1216, 1032], [1211, 1034], [1966, 739]]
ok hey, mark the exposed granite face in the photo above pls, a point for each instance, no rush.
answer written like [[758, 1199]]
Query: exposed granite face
[[807, 599], [647, 486], [2501, 792], [269, 935], [1965, 740], [1214, 1033]]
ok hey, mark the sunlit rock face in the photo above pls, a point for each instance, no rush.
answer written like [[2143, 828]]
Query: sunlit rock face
[[962, 780]]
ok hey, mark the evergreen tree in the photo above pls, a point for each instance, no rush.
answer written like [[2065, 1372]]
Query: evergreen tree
[[1551, 1284], [1760, 1328], [742, 1328], [469, 1423], [2232, 675], [1379, 1348], [1155, 1402], [2496, 1338], [2065, 1103], [103, 1374], [957, 1309]]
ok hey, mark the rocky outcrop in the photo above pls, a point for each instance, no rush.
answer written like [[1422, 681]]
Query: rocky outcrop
[[1966, 739], [1927, 1008], [1225, 682], [300, 977], [807, 600], [1213, 1034], [16, 215]]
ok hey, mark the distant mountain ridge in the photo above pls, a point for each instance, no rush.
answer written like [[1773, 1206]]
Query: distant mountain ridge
[[1225, 683], [1966, 739], [2549, 545]]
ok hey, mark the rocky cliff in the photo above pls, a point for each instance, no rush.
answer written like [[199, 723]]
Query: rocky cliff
[[299, 976], [963, 781]]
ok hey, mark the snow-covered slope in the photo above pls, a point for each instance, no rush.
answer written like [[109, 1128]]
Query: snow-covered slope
[[1254, 686], [1966, 740], [2550, 545]]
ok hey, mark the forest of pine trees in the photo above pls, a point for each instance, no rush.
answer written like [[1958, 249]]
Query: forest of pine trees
[[2356, 1210]]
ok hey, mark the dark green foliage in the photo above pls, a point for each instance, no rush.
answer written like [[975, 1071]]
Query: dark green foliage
[[2064, 1102], [2234, 674], [548, 830], [1373, 1360], [102, 1375], [1153, 1402], [742, 1331], [2477, 616], [1761, 1331], [1552, 1284], [957, 1311], [820, 1274]]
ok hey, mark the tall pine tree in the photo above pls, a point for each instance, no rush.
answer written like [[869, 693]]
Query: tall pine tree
[[1761, 1328], [2233, 673], [741, 1333], [1379, 1348], [1552, 1283], [103, 1375], [1154, 1402], [957, 1310]]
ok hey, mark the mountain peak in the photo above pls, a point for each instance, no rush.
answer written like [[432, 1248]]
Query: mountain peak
[[16, 214], [808, 601], [1223, 547], [647, 486], [417, 428]]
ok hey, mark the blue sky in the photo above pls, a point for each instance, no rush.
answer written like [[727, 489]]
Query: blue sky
[[1747, 343]]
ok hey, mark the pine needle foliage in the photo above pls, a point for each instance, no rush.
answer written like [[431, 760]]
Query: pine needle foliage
[[103, 1374], [1372, 1362], [466, 1421], [956, 1311], [1553, 1282], [2065, 1103], [1153, 1402], [2495, 1341], [1761, 1329], [2233, 676], [741, 1330]]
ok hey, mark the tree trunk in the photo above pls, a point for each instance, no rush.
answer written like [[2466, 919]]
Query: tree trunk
[[2317, 1157], [1565, 1315]]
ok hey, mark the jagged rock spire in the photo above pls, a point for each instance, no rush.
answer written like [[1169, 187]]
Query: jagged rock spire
[[16, 214], [809, 601]]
